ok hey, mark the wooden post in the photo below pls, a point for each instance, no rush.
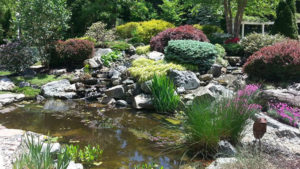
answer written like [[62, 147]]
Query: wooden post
[[263, 29]]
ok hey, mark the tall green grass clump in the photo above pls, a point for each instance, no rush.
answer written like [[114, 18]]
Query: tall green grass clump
[[209, 122], [37, 158], [165, 98]]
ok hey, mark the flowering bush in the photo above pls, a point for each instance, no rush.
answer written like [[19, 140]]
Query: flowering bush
[[70, 53], [202, 54], [186, 32], [278, 62], [285, 113], [99, 32], [232, 40]]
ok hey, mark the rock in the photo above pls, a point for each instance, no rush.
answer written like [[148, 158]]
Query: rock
[[216, 70], [225, 149], [279, 138], [6, 84], [24, 84], [111, 102], [105, 100], [128, 82], [73, 165], [6, 99], [121, 69], [134, 57], [7, 109], [58, 72], [116, 82], [59, 89], [186, 79], [28, 73], [156, 56], [219, 162], [206, 77], [121, 103], [180, 90], [101, 52], [234, 60], [146, 87], [54, 147], [291, 95], [239, 71], [56, 105], [117, 92], [39, 98], [94, 62], [219, 90], [143, 101], [131, 50]]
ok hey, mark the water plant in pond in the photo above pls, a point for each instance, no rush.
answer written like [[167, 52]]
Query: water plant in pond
[[89, 155], [38, 157], [210, 121], [164, 94], [285, 113], [148, 166]]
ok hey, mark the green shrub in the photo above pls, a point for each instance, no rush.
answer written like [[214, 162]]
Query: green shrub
[[140, 50], [118, 45], [219, 38], [255, 41], [233, 49], [27, 91], [142, 31], [209, 122], [210, 29], [99, 32], [221, 54], [144, 69], [198, 53], [110, 57], [164, 94], [93, 40], [198, 26]]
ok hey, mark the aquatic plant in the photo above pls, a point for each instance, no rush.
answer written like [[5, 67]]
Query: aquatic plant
[[89, 155], [285, 113], [209, 122], [144, 69], [164, 94]]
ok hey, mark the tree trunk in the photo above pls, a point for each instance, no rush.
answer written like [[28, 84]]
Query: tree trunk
[[228, 16], [239, 17]]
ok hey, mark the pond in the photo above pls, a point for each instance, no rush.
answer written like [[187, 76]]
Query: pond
[[128, 137]]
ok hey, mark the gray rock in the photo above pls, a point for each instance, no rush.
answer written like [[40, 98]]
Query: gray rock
[[24, 84], [220, 162], [6, 99], [128, 82], [146, 87], [94, 62], [180, 90], [121, 69], [116, 82], [186, 79], [73, 165], [59, 89], [6, 84], [156, 56], [54, 147], [28, 73], [134, 57], [216, 70], [143, 101], [225, 149], [121, 103], [105, 100], [39, 98], [117, 92], [206, 77], [58, 71], [234, 60], [114, 74], [101, 52]]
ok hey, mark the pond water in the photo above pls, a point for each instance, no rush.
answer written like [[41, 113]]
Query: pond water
[[128, 137]]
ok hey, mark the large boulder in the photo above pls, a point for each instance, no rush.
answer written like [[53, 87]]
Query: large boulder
[[59, 89], [156, 56], [143, 101], [291, 95], [117, 92], [186, 79], [220, 162], [101, 52], [73, 165], [10, 98], [6, 84]]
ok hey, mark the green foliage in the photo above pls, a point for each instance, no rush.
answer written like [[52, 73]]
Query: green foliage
[[39, 79], [93, 40], [264, 9], [210, 29], [219, 38], [233, 49], [140, 50], [7, 13], [142, 31], [88, 155], [144, 69], [99, 32], [42, 21], [142, 10], [198, 53], [285, 22], [5, 73], [36, 158], [86, 69], [255, 41], [148, 166], [164, 94], [110, 57], [198, 26], [27, 91], [118, 45], [221, 55], [172, 11]]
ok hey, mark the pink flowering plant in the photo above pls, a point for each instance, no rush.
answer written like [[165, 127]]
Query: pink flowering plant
[[285, 113]]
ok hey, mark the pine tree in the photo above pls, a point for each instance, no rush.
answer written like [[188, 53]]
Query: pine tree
[[285, 22]]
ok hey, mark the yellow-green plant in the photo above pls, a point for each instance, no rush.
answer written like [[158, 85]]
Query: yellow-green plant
[[144, 69], [198, 26], [140, 50]]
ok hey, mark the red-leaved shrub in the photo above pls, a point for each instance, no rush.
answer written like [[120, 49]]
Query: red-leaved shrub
[[275, 63], [187, 32], [70, 53], [232, 40]]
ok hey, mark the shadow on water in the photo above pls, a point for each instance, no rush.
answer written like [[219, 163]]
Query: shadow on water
[[122, 134]]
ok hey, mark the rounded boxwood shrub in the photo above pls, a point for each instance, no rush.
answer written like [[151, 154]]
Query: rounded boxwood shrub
[[194, 52], [234, 49], [70, 53], [279, 62], [186, 32], [255, 41], [142, 31]]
